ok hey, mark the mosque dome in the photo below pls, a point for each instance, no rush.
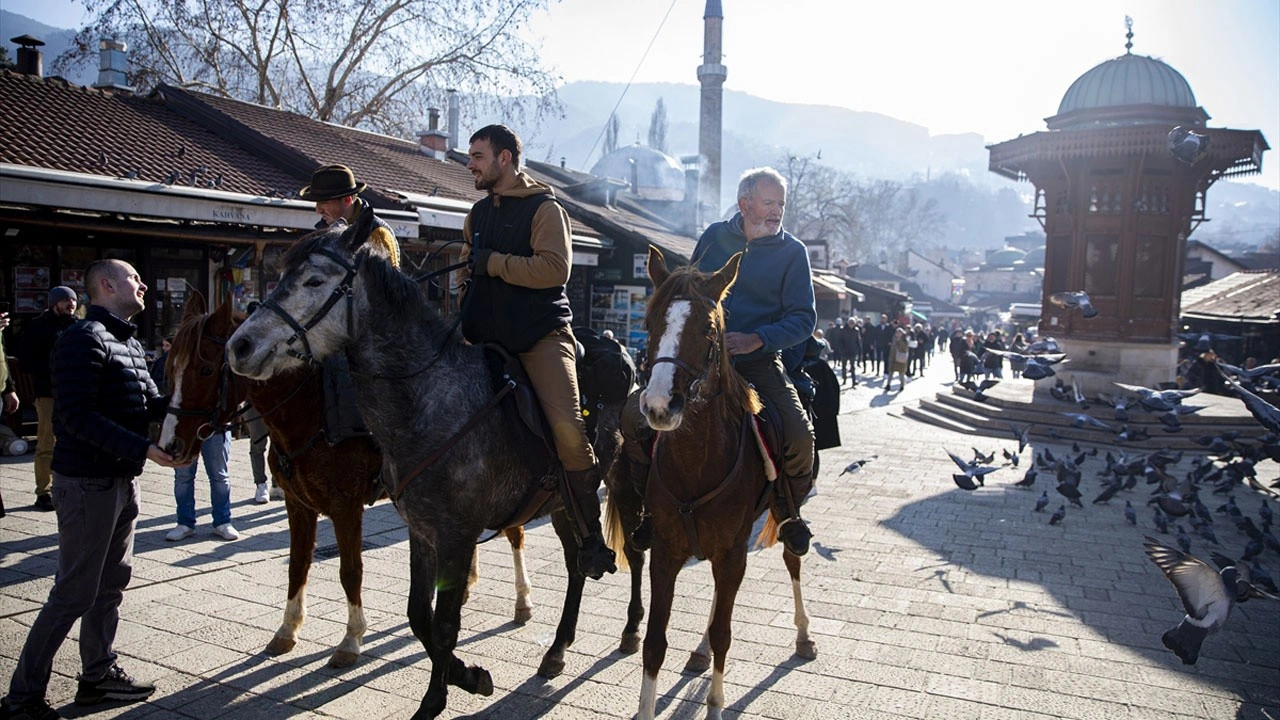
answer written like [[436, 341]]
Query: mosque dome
[[1034, 258], [653, 175], [1128, 90], [1004, 257]]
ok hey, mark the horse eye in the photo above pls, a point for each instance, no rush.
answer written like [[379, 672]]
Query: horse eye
[[313, 282], [206, 371]]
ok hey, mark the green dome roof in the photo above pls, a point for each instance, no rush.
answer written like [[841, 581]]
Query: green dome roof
[[1128, 80]]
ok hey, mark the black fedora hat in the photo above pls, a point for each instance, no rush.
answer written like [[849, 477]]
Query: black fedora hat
[[331, 181]]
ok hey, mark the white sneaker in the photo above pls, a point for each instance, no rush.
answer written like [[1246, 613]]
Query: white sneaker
[[226, 532], [260, 493], [277, 492], [180, 532]]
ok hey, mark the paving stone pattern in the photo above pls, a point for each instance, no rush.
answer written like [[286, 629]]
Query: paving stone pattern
[[925, 601]]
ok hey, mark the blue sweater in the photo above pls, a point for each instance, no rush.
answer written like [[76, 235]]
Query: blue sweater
[[773, 296]]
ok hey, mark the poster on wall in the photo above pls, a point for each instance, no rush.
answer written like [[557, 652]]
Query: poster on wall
[[74, 279], [27, 277], [29, 301]]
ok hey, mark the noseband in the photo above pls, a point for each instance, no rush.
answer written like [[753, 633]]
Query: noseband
[[344, 290], [697, 379]]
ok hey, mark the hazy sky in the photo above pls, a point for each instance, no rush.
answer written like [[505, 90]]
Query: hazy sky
[[996, 67]]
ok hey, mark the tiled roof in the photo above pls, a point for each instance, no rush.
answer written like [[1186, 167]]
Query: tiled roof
[[384, 162], [61, 126], [1248, 296]]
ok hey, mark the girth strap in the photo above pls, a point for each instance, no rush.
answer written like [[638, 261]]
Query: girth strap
[[686, 509]]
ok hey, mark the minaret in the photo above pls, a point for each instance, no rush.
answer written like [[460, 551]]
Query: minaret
[[711, 73]]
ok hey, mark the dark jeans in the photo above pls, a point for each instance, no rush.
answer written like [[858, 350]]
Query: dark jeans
[[96, 518]]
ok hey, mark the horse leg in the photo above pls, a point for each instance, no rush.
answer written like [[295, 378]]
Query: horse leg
[[700, 658], [624, 508], [566, 631], [422, 583], [804, 646], [348, 528], [728, 577], [524, 591], [446, 668], [302, 547], [663, 569]]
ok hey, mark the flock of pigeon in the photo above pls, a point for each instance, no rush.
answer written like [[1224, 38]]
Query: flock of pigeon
[[1228, 463]]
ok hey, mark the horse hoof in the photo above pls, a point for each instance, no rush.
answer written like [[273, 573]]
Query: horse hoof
[[279, 646], [484, 683], [630, 644], [523, 615], [698, 663], [551, 667], [343, 659], [806, 649]]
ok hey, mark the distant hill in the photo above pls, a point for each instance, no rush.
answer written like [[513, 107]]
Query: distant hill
[[981, 207], [57, 41]]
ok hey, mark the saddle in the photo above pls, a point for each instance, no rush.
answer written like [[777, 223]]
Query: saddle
[[342, 419]]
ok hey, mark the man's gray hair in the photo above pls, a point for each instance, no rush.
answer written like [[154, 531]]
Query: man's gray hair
[[751, 178]]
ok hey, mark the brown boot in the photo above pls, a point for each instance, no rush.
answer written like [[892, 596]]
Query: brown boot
[[581, 500]]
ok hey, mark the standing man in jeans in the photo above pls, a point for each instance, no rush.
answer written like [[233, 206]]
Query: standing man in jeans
[[216, 451], [103, 402], [34, 349], [770, 308]]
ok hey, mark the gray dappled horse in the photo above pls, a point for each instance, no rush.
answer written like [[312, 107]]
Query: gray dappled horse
[[418, 389]]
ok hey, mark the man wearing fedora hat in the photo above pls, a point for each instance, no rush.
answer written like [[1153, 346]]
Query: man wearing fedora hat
[[335, 192], [519, 260]]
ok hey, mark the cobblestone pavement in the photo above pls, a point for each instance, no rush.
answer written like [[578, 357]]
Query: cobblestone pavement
[[925, 601]]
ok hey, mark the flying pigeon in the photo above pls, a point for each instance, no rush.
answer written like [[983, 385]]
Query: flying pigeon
[[1204, 340], [1207, 595], [979, 390], [1082, 419], [1072, 300], [1044, 345], [1188, 146], [1263, 411], [971, 473], [1022, 435], [1037, 370]]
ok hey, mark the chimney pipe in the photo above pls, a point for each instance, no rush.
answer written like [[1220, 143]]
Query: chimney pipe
[[433, 118], [111, 53], [30, 60], [454, 114]]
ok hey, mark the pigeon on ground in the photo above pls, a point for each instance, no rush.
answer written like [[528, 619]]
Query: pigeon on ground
[[1028, 479], [971, 473], [1107, 493], [1084, 419], [856, 465], [1183, 539], [1078, 395], [1042, 502], [1073, 300], [980, 459], [1261, 579], [979, 390], [1207, 596], [1161, 523], [1130, 514], [1059, 390], [1058, 515], [1188, 146], [1128, 434]]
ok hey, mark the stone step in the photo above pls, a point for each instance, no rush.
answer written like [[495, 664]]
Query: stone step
[[926, 416]]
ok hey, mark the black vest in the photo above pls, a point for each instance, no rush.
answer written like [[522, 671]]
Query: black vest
[[495, 311]]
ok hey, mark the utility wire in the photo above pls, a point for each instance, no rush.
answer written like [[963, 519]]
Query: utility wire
[[628, 87]]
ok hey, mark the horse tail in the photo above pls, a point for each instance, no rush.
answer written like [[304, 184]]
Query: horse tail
[[614, 534], [768, 536]]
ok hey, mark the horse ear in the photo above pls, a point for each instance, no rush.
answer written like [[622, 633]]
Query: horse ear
[[194, 306], [226, 310], [658, 272], [723, 278]]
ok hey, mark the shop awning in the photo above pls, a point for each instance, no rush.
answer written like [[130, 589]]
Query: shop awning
[[836, 285]]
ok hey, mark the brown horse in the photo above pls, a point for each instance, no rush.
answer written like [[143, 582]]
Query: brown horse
[[318, 478], [708, 481]]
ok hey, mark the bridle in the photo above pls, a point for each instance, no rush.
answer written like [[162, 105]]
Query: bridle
[[343, 290], [697, 378], [212, 422]]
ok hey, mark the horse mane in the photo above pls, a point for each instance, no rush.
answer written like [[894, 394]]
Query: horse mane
[[185, 344], [686, 283]]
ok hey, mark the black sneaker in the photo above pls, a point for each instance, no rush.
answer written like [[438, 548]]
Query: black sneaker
[[795, 537], [38, 709], [44, 503], [115, 685]]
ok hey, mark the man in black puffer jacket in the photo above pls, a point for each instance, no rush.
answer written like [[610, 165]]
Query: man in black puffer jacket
[[103, 400]]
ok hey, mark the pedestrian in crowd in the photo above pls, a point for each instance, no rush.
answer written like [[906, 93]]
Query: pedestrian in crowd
[[993, 363], [852, 349], [885, 333], [771, 308], [34, 350], [1017, 365], [157, 365], [899, 356], [103, 402], [216, 452], [822, 347], [916, 343], [9, 402], [1203, 374], [518, 260], [263, 491], [835, 343]]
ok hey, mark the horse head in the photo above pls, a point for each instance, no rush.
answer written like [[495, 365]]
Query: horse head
[[312, 312], [685, 323], [204, 397]]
